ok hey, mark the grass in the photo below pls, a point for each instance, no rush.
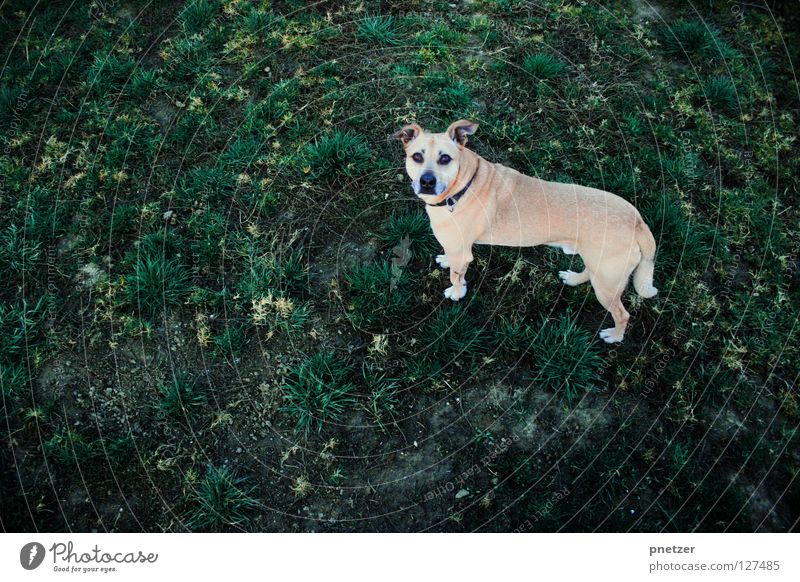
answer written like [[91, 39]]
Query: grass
[[197, 15], [317, 392], [684, 241], [202, 193], [274, 107], [14, 379], [143, 83], [566, 359], [543, 67], [231, 341], [283, 271], [721, 94], [18, 254], [409, 231], [377, 293], [382, 394], [9, 98], [157, 285], [241, 154], [513, 335], [452, 332], [336, 158], [381, 30], [182, 397], [18, 330], [221, 500], [109, 72], [278, 313], [687, 39], [69, 448]]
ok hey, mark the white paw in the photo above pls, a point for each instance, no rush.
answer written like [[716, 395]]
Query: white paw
[[571, 278], [648, 293], [455, 294], [611, 335], [442, 261]]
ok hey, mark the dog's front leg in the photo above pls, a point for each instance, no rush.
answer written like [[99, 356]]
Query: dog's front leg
[[458, 262]]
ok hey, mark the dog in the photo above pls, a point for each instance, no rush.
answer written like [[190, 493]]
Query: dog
[[470, 200]]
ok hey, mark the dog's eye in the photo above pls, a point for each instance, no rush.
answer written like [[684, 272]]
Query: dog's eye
[[417, 157], [445, 159]]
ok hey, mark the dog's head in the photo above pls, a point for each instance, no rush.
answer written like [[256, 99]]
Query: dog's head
[[432, 159]]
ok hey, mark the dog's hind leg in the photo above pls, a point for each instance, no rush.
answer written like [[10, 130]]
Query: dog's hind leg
[[621, 316], [572, 278], [441, 260], [608, 287]]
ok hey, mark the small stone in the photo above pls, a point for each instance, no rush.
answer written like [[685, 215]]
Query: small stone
[[462, 493]]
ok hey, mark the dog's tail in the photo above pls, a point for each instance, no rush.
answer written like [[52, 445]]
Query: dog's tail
[[643, 276]]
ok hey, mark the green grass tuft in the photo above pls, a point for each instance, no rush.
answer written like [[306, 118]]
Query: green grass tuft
[[688, 38], [379, 29], [197, 15], [257, 21], [231, 341], [68, 447], [409, 231], [14, 379], [143, 82], [18, 253], [221, 499], [338, 157], [207, 184], [241, 154], [9, 101], [377, 293], [285, 273], [565, 358], [317, 392], [451, 332], [457, 98], [109, 72], [181, 397], [512, 335], [18, 329], [157, 285], [259, 115], [721, 94], [544, 67]]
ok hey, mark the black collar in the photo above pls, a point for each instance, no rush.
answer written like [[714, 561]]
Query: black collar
[[450, 201]]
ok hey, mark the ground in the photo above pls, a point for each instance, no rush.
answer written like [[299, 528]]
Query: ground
[[220, 308]]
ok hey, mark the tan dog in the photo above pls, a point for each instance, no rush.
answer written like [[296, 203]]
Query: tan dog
[[470, 200]]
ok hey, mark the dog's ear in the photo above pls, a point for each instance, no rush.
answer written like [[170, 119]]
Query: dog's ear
[[406, 134], [459, 130]]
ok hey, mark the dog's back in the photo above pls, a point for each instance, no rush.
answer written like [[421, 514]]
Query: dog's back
[[529, 212]]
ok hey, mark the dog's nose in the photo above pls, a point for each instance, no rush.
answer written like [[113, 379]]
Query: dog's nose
[[427, 181]]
